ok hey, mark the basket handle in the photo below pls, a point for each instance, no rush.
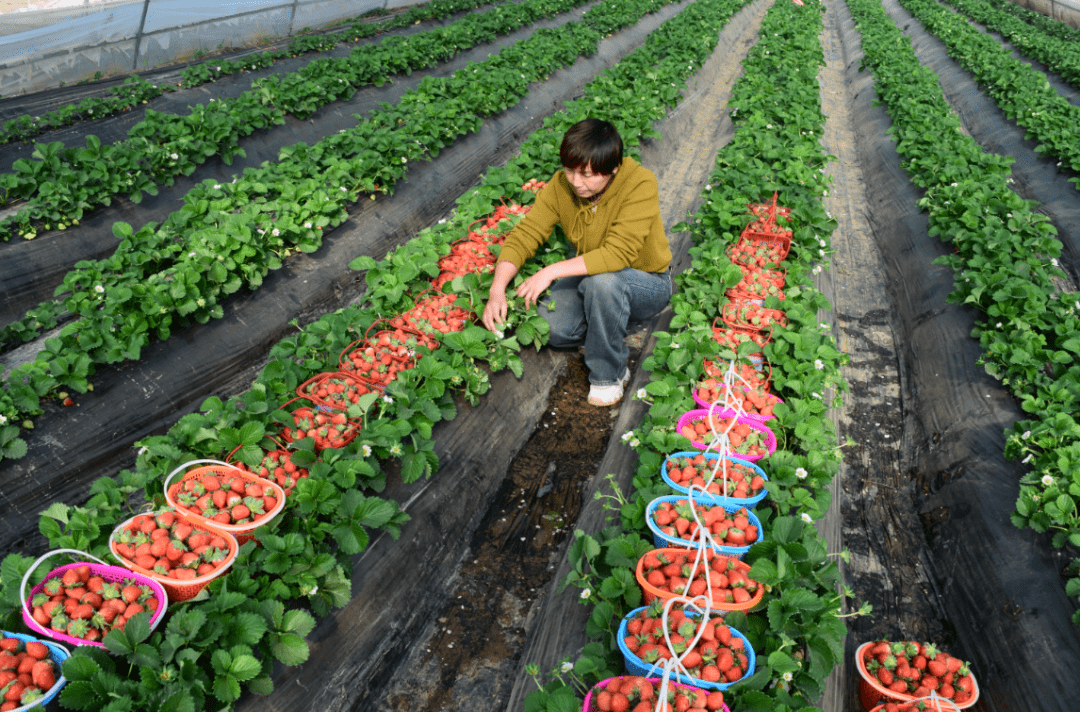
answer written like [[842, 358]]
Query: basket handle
[[196, 462], [33, 566]]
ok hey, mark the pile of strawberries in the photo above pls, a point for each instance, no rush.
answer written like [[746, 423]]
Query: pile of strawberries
[[756, 253], [719, 656], [669, 570], [83, 605], [747, 314], [754, 375], [758, 283], [27, 673], [533, 186], [742, 482], [638, 694], [170, 546], [745, 440], [473, 253], [917, 669], [224, 498], [436, 314], [327, 428], [675, 518]]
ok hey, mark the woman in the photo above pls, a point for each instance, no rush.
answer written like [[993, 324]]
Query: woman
[[609, 208]]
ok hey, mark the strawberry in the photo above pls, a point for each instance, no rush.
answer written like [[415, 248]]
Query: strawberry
[[130, 594]]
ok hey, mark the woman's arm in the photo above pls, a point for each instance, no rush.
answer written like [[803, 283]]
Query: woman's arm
[[495, 309]]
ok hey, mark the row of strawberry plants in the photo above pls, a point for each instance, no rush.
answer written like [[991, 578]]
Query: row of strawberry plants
[[135, 90], [298, 559], [1022, 93], [1005, 264], [1050, 25], [1061, 56], [798, 635], [229, 235], [61, 184]]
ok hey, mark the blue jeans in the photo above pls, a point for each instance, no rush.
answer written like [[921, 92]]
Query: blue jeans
[[594, 311]]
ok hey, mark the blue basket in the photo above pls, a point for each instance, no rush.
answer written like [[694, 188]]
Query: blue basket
[[58, 653], [705, 498], [662, 540], [637, 666]]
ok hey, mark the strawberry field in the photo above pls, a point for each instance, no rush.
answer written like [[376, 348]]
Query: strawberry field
[[268, 265]]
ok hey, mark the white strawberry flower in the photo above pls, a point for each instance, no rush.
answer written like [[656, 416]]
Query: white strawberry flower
[[817, 269], [806, 518], [388, 400], [566, 667], [396, 449], [627, 436], [1027, 459], [818, 364], [3, 419], [217, 186], [276, 232], [586, 593], [642, 394], [307, 225], [366, 450], [635, 442], [99, 289], [1026, 435], [1047, 480], [174, 156], [788, 677], [801, 473]]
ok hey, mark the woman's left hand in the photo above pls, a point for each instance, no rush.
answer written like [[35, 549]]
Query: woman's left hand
[[531, 289]]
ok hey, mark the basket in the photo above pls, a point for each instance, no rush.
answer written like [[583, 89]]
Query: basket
[[348, 431], [58, 653], [729, 315], [663, 541], [692, 416], [112, 574], [636, 666], [177, 590], [762, 370], [340, 389], [746, 414], [708, 498], [242, 532], [651, 592], [587, 706], [282, 454], [872, 692], [934, 703]]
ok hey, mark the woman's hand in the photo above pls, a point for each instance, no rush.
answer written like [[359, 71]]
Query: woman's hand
[[531, 289], [494, 310]]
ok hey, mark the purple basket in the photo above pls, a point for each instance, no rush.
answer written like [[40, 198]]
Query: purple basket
[[692, 416], [599, 687], [112, 574]]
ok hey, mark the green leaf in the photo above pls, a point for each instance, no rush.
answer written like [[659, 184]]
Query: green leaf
[[290, 649]]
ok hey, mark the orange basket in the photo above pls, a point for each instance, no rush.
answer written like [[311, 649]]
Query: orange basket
[[732, 316], [274, 463], [206, 468], [872, 692], [177, 589], [336, 390], [719, 598], [338, 434]]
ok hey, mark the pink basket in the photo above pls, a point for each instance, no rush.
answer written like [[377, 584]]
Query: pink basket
[[112, 574], [692, 416], [587, 707]]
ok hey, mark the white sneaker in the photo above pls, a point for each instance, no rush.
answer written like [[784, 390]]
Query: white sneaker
[[604, 396]]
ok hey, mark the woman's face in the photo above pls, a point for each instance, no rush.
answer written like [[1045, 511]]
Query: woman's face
[[585, 182]]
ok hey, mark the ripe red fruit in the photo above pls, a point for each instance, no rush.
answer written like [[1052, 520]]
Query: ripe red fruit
[[68, 402]]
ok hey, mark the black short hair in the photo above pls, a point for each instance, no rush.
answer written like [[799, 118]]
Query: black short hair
[[592, 142]]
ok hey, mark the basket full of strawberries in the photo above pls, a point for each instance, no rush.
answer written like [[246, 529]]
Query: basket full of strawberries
[[906, 671], [30, 674]]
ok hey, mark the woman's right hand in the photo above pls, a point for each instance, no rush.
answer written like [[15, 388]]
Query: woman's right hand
[[495, 309]]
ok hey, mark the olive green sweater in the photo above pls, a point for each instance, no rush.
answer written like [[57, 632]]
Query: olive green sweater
[[622, 230]]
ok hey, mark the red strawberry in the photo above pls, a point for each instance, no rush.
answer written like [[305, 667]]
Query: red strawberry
[[44, 674]]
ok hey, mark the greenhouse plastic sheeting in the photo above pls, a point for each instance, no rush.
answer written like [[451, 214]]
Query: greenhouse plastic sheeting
[[171, 30]]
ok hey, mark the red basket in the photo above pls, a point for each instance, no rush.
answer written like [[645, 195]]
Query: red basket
[[336, 390], [692, 416], [455, 318], [111, 574], [207, 468], [730, 313], [872, 692], [272, 462], [757, 373], [602, 685], [178, 589], [770, 398]]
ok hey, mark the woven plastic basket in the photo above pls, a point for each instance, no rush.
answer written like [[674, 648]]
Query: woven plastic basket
[[200, 470], [309, 411], [662, 540], [708, 498], [178, 590], [59, 654], [934, 703], [872, 692], [729, 313], [637, 666], [651, 592], [111, 574], [600, 686], [692, 416], [334, 389]]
